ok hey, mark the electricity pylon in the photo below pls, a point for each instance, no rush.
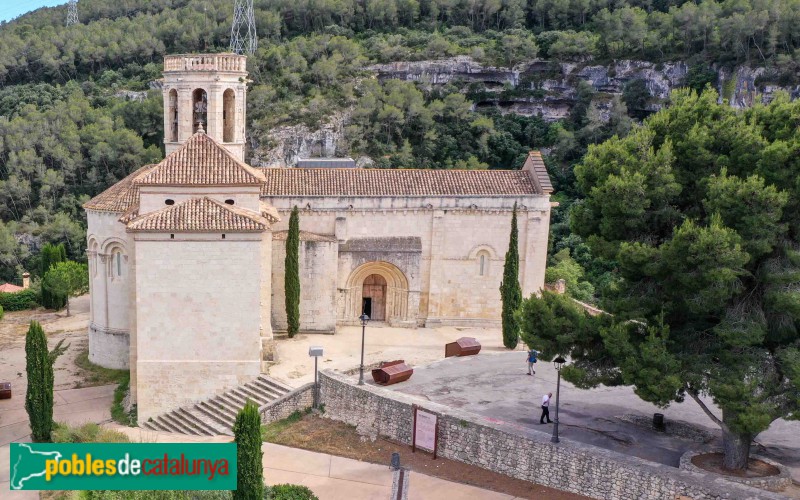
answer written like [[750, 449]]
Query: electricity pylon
[[72, 12], [243, 32]]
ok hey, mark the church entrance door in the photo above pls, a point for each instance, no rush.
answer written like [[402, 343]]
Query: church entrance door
[[374, 297]]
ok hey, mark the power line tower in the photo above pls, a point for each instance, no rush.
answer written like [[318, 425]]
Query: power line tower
[[243, 32], [72, 12]]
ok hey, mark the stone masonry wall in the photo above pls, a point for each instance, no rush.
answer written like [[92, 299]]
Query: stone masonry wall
[[486, 443], [298, 400]]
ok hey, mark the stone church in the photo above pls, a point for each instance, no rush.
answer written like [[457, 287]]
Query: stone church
[[186, 257]]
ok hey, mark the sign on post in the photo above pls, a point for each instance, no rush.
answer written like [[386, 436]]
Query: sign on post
[[425, 431]]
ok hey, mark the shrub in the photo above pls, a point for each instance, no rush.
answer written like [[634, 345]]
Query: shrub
[[86, 433], [19, 301], [2, 313], [250, 471], [39, 395], [292, 275], [510, 291], [290, 492]]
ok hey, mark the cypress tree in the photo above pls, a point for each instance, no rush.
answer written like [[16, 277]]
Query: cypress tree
[[249, 468], [50, 256], [510, 291], [39, 396], [292, 274]]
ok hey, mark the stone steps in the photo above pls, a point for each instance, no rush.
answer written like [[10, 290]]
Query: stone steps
[[217, 415]]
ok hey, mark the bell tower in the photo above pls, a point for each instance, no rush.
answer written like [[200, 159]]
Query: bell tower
[[205, 92]]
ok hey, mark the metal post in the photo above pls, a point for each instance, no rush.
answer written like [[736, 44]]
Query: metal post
[[554, 439], [361, 370], [316, 385]]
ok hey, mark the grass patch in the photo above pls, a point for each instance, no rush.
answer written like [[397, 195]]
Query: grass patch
[[118, 412], [97, 375], [271, 433], [86, 433]]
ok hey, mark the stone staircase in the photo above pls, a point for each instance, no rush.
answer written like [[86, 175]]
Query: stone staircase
[[217, 415]]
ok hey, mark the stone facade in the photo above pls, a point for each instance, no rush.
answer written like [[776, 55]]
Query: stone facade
[[478, 441], [187, 256]]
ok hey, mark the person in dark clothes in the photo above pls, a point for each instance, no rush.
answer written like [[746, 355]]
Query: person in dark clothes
[[546, 408]]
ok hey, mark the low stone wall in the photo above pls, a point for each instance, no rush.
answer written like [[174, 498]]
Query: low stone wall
[[773, 483], [298, 400], [492, 445]]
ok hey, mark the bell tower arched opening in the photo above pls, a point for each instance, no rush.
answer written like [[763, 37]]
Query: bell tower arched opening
[[172, 116], [229, 116], [200, 110]]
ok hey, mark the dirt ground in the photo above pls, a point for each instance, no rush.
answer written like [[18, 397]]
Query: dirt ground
[[57, 325], [327, 436]]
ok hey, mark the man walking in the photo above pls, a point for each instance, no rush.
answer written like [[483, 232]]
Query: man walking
[[531, 360], [546, 408]]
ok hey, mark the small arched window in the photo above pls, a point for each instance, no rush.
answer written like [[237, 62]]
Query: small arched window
[[169, 201], [483, 263], [119, 265], [116, 264], [229, 201]]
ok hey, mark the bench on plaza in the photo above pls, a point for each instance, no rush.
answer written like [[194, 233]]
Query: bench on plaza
[[392, 372], [465, 346]]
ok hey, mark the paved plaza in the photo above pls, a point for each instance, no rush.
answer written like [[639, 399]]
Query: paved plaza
[[495, 385]]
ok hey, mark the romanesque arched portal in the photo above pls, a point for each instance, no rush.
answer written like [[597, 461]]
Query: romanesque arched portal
[[379, 286]]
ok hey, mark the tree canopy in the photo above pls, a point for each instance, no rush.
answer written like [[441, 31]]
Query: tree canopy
[[698, 211]]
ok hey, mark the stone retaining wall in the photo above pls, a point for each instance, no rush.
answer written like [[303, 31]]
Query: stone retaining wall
[[298, 400], [494, 445]]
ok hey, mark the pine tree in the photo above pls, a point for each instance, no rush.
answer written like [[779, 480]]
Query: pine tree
[[292, 274], [510, 291], [50, 256], [39, 368], [249, 468]]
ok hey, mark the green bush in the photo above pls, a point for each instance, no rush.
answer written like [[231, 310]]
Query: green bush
[[289, 492], [19, 301], [250, 471], [2, 313], [86, 433], [39, 394]]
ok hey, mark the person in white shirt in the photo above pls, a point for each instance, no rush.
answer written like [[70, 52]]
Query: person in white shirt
[[546, 408]]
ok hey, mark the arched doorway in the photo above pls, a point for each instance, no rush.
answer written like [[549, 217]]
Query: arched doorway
[[373, 297], [381, 288]]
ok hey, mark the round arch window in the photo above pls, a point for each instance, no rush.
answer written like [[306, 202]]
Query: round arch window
[[169, 201]]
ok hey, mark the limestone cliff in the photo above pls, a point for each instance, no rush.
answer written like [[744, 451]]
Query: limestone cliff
[[545, 88]]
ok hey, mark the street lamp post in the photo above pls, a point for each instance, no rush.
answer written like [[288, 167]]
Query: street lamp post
[[364, 318], [315, 352], [558, 363]]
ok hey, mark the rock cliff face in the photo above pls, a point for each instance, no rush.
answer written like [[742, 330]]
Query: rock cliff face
[[552, 86], [542, 88], [287, 144]]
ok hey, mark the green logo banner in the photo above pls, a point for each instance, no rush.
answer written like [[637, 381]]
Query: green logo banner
[[123, 466]]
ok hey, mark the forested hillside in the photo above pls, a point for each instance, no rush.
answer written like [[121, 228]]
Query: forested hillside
[[66, 134]]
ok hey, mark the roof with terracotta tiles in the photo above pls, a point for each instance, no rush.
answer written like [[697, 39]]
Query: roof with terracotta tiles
[[201, 161], [10, 288], [304, 236], [200, 215], [119, 197], [395, 182], [534, 164]]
